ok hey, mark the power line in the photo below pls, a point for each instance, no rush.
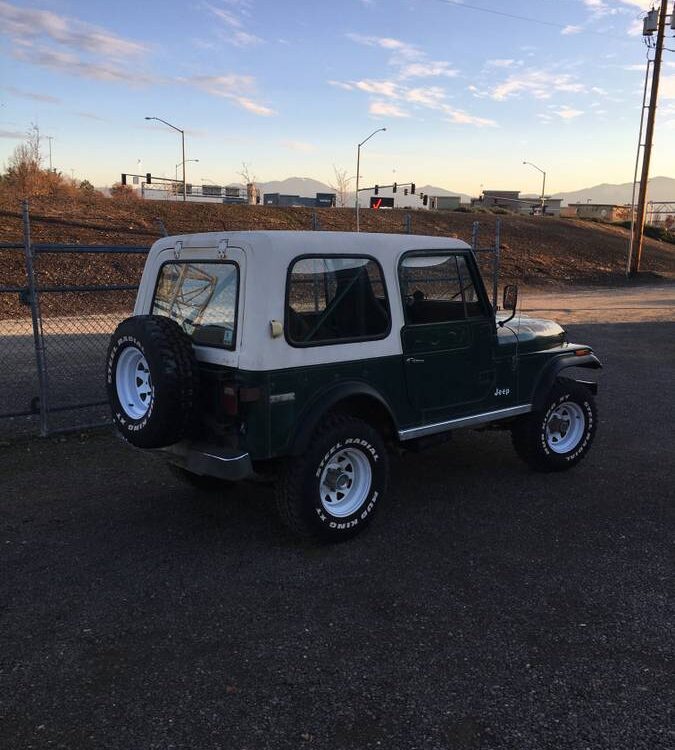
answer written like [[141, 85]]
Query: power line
[[540, 21]]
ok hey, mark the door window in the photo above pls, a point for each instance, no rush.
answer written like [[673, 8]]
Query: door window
[[437, 289]]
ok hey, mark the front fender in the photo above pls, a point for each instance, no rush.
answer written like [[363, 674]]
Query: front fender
[[554, 368]]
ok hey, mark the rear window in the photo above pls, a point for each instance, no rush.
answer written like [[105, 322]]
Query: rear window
[[202, 299], [332, 300]]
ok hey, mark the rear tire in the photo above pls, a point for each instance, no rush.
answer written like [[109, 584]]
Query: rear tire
[[560, 434], [332, 491], [152, 380]]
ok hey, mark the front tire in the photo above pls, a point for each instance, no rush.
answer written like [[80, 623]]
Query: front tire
[[333, 490], [557, 436]]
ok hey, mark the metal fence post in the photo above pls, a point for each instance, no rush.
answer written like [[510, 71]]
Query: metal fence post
[[316, 226], [497, 259], [407, 224], [474, 236], [36, 321]]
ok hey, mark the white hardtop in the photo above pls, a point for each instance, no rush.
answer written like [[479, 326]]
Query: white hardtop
[[278, 248], [265, 257]]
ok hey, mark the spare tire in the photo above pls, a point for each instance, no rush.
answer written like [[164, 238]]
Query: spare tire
[[152, 380]]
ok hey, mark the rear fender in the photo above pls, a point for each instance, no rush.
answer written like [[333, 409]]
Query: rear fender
[[310, 418]]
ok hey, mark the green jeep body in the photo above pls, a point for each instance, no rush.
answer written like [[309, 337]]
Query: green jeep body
[[288, 327]]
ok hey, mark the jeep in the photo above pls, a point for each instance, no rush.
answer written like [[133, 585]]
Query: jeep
[[306, 357]]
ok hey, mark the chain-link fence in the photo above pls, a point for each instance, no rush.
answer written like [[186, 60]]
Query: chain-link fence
[[59, 304]]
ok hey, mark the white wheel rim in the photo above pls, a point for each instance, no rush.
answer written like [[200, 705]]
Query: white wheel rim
[[565, 427], [133, 383], [345, 482]]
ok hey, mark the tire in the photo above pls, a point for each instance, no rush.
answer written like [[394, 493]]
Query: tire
[[560, 434], [152, 381], [333, 490], [199, 482]]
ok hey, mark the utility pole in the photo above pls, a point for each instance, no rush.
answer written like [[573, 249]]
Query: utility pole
[[639, 222], [543, 186], [50, 138]]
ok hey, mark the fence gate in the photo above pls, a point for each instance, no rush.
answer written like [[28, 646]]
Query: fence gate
[[54, 334]]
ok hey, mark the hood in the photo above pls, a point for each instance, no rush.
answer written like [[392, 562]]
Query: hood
[[535, 334]]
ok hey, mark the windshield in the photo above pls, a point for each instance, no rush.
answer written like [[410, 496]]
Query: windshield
[[201, 298]]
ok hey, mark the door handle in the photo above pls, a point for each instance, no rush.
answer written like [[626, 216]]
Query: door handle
[[413, 361]]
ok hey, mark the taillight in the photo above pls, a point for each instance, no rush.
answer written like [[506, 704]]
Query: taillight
[[230, 401]]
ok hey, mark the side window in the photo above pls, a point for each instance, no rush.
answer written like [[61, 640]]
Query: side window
[[335, 299], [437, 289], [474, 306]]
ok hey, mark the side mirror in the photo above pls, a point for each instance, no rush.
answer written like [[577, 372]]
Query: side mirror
[[510, 302], [510, 297]]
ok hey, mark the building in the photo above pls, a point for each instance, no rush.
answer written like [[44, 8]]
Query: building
[[511, 200], [444, 202], [600, 211], [322, 200]]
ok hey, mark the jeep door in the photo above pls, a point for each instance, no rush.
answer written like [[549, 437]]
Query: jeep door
[[449, 336]]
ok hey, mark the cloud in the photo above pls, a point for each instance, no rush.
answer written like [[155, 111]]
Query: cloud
[[68, 62], [28, 25], [235, 33], [429, 69], [91, 116], [394, 96], [37, 97], [12, 134], [570, 29], [502, 62], [459, 117], [667, 87], [567, 113], [405, 50], [65, 44], [539, 84], [237, 88], [386, 109]]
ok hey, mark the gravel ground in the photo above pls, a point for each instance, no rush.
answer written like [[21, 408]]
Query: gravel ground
[[488, 606]]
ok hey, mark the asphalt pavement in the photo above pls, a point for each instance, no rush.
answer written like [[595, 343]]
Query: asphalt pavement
[[487, 607]]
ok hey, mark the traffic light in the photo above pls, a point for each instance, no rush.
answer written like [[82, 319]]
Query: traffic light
[[425, 200], [148, 178], [393, 190], [124, 179], [412, 189], [377, 189], [405, 191]]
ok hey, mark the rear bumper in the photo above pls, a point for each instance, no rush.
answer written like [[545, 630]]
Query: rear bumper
[[210, 461]]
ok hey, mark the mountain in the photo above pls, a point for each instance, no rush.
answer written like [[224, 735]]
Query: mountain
[[305, 187], [660, 189]]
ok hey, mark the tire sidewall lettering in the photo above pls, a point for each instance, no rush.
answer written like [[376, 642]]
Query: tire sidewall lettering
[[583, 444], [361, 514]]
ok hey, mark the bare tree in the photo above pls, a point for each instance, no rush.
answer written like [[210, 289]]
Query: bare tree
[[249, 179], [341, 186]]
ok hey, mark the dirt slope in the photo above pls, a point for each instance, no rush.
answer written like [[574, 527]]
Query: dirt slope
[[535, 251]]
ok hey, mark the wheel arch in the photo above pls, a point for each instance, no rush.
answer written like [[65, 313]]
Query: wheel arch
[[551, 372], [354, 398]]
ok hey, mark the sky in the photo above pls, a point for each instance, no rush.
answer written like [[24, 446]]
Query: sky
[[467, 89]]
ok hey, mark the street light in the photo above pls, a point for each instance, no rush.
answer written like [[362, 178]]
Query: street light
[[543, 185], [182, 163], [358, 166], [182, 138]]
